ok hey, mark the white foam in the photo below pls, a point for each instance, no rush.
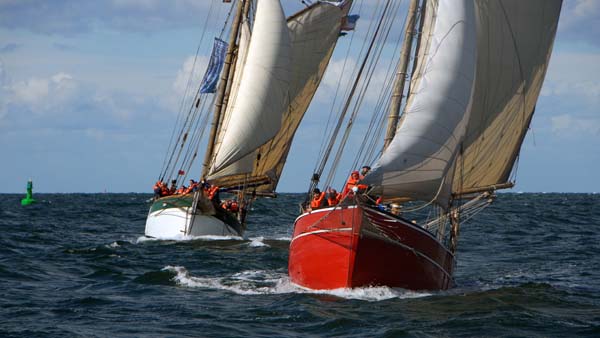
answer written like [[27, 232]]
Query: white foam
[[257, 242], [260, 282]]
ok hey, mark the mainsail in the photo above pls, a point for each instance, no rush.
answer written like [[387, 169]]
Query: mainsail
[[264, 86], [481, 66], [313, 34]]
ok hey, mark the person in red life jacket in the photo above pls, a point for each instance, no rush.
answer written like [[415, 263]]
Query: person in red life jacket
[[164, 190], [182, 190], [173, 187], [351, 183], [213, 193], [194, 186], [333, 197], [157, 188], [317, 200]]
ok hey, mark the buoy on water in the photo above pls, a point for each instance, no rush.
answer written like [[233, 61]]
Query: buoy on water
[[29, 198]]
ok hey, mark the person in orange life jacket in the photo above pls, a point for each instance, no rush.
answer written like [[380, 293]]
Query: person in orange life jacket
[[351, 183], [333, 197], [182, 190], [157, 188], [164, 190], [173, 187], [318, 198], [213, 193], [192, 188]]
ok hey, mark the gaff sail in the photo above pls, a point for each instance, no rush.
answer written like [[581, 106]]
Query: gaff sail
[[464, 129], [263, 90], [314, 32]]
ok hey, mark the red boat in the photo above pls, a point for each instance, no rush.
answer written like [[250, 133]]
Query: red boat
[[358, 245], [472, 94]]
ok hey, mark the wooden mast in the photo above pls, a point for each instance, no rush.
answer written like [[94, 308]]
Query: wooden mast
[[214, 126], [400, 79]]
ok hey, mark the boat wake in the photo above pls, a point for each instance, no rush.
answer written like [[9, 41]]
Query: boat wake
[[260, 282]]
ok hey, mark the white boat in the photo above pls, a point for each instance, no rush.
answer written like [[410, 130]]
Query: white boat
[[269, 72]]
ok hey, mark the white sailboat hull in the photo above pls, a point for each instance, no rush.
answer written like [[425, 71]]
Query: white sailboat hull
[[174, 223]]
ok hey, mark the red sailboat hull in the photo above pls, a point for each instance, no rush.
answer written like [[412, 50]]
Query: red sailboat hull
[[354, 246]]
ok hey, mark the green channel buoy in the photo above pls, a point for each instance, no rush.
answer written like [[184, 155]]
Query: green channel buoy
[[29, 198]]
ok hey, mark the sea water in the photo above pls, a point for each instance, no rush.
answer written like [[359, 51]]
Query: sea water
[[79, 265]]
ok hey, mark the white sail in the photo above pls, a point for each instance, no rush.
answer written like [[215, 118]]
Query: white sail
[[433, 124], [314, 32], [263, 92]]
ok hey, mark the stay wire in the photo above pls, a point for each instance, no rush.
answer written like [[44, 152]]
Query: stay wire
[[350, 96], [188, 85]]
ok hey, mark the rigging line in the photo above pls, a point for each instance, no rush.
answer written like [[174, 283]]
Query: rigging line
[[180, 114], [349, 100], [365, 87], [199, 128], [384, 96], [366, 60], [226, 24], [335, 96], [332, 135]]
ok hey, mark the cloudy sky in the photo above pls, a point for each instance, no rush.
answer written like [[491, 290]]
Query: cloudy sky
[[89, 91]]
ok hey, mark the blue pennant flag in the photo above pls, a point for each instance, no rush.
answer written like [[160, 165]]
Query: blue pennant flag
[[349, 22], [211, 77]]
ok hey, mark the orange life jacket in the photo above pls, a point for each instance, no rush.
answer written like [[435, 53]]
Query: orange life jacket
[[317, 200], [212, 191], [334, 199]]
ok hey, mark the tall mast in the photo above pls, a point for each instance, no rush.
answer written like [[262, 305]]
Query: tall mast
[[222, 86], [401, 74]]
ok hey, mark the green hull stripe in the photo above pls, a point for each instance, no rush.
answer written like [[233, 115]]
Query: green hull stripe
[[181, 201]]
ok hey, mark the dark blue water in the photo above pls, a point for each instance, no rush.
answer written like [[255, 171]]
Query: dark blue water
[[78, 265]]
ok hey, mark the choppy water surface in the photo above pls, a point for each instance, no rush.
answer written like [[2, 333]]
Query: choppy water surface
[[79, 265]]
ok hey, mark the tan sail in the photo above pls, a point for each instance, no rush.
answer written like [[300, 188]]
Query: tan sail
[[314, 32], [515, 42], [434, 156]]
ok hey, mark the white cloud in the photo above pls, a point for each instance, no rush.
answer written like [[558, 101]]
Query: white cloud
[[574, 76], [42, 94], [195, 68], [580, 21], [570, 125]]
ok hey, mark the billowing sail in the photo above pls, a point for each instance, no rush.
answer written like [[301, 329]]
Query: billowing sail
[[314, 32], [515, 42], [437, 152], [433, 124], [263, 90]]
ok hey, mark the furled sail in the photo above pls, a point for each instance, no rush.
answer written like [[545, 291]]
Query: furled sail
[[263, 90], [424, 148], [515, 41], [314, 32]]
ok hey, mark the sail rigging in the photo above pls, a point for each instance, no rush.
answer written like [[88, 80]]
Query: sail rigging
[[469, 103], [313, 32], [263, 91]]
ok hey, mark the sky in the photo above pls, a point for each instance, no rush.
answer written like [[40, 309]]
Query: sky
[[90, 90]]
